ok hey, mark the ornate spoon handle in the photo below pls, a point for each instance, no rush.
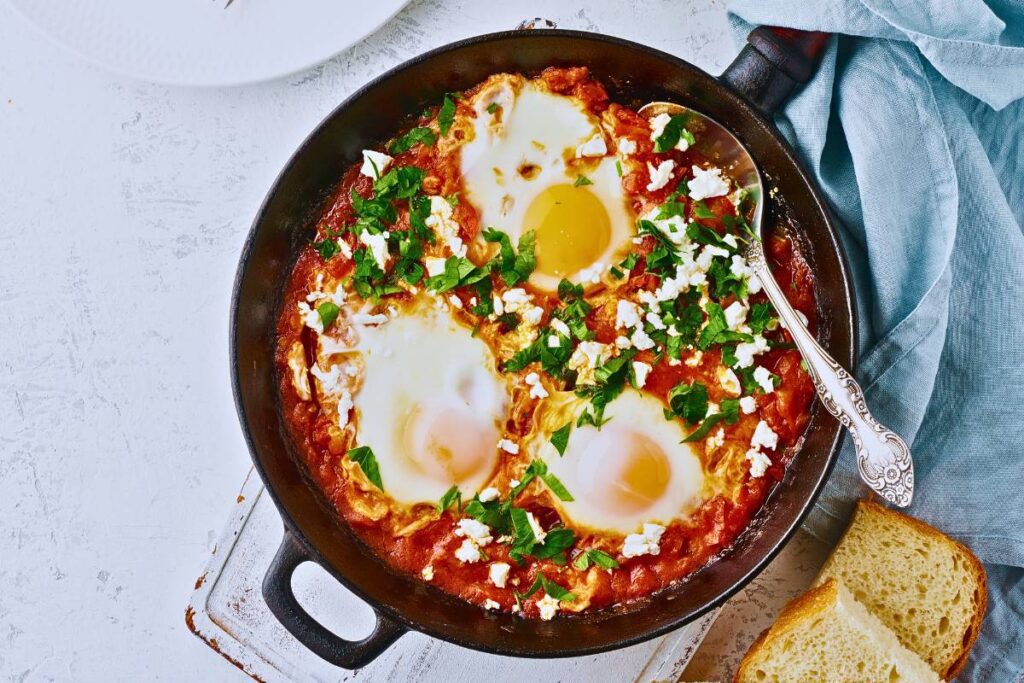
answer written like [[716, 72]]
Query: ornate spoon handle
[[883, 458]]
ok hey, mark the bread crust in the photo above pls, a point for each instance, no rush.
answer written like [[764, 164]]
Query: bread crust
[[870, 506], [815, 600]]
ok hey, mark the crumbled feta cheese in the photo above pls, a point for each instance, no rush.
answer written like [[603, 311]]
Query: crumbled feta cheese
[[310, 317], [695, 359], [532, 315], [655, 320], [514, 483], [729, 381], [764, 379], [508, 446], [622, 342], [455, 301], [373, 159], [498, 573], [594, 147], [515, 299], [764, 436], [499, 307], [735, 315], [488, 494], [553, 342], [587, 355], [658, 124], [716, 440], [748, 405], [378, 246], [759, 462], [712, 408], [593, 273], [468, 552], [707, 183], [640, 372], [428, 573], [626, 314], [730, 239], [479, 532], [491, 604], [660, 175], [346, 250], [745, 351], [559, 327], [548, 607], [345, 405], [538, 531], [740, 268], [644, 543], [708, 253], [626, 147], [537, 389], [440, 221], [434, 265], [641, 340]]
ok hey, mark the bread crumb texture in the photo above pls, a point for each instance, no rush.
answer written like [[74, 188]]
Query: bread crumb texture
[[826, 636], [927, 588]]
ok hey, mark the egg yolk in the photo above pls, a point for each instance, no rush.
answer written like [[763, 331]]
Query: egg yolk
[[448, 443], [626, 470], [641, 476], [572, 229]]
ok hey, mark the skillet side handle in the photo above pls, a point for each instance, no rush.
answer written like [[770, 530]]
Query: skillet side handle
[[773, 64], [280, 598]]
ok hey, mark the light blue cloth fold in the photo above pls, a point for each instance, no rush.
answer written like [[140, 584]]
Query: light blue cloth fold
[[914, 126]]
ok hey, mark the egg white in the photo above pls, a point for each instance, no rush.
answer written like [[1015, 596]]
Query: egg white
[[418, 366], [592, 466]]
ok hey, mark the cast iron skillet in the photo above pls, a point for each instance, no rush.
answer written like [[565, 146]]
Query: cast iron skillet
[[763, 75]]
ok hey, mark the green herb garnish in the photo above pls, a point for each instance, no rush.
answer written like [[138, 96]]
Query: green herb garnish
[[674, 130], [582, 180], [560, 438], [416, 136], [328, 313], [594, 556], [368, 462]]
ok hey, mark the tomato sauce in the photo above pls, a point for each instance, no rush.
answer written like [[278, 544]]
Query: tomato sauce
[[685, 546]]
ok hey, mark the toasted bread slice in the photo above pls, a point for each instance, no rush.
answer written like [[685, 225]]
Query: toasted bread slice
[[927, 588], [825, 635]]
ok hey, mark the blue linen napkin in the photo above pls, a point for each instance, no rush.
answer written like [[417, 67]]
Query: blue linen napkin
[[914, 126]]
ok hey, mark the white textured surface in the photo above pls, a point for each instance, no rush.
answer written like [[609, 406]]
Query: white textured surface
[[122, 209]]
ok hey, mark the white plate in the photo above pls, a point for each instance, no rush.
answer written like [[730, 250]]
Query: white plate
[[200, 42]]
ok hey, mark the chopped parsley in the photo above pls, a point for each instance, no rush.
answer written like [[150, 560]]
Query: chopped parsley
[[493, 107], [328, 312], [416, 136], [560, 437], [365, 458], [512, 266], [761, 318], [327, 248], [729, 412], [446, 117], [674, 130], [459, 271], [550, 587], [717, 330], [451, 497], [594, 556], [688, 401], [582, 180]]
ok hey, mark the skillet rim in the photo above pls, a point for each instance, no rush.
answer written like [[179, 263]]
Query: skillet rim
[[849, 317]]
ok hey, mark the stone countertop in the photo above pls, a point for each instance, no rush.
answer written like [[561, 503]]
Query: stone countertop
[[124, 207]]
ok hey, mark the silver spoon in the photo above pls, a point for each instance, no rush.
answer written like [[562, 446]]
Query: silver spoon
[[883, 458]]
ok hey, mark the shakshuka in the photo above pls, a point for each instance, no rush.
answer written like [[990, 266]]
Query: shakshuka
[[524, 358]]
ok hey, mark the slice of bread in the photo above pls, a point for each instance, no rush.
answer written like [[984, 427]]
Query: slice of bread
[[825, 635], [927, 588]]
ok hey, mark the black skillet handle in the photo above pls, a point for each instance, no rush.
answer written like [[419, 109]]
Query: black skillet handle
[[773, 63], [280, 598]]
